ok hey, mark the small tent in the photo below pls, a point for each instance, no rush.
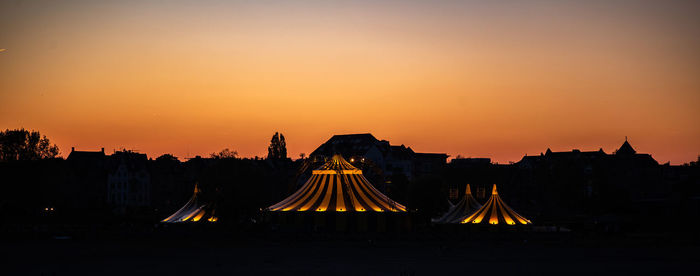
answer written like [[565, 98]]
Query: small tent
[[465, 207], [495, 211], [337, 186], [195, 210]]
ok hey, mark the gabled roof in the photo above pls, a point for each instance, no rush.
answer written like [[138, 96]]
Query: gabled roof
[[401, 152], [132, 160], [86, 155], [347, 145], [575, 153], [626, 149]]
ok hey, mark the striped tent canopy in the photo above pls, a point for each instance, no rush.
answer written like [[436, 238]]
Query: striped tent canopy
[[337, 186], [496, 211], [195, 210], [465, 207]]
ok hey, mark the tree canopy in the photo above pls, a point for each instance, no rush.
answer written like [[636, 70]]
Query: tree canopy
[[21, 144], [167, 157], [278, 147], [225, 153]]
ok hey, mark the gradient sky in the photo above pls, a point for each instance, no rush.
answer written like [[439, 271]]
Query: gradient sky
[[497, 79]]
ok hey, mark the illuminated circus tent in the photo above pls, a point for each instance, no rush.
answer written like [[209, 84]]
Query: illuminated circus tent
[[195, 210], [465, 207], [495, 211], [337, 186]]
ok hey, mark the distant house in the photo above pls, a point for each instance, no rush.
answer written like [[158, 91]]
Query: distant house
[[86, 156], [88, 179], [352, 146], [624, 152], [429, 164], [584, 182], [389, 159], [470, 162], [128, 181], [400, 160]]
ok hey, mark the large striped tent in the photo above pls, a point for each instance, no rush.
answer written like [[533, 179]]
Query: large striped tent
[[337, 186], [496, 211], [465, 207], [195, 210]]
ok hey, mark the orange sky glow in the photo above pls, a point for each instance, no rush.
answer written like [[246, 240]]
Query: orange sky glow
[[496, 79]]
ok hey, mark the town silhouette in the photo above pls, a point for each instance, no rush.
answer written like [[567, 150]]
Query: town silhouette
[[354, 187]]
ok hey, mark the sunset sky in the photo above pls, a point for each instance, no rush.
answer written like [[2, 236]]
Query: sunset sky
[[496, 79]]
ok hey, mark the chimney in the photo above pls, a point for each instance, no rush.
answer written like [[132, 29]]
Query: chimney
[[103, 150], [72, 149]]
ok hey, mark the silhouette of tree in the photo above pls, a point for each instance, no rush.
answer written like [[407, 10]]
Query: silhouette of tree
[[21, 144], [225, 153], [693, 163], [278, 147], [167, 157]]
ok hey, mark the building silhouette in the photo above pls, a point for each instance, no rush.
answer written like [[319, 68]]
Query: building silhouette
[[128, 181], [385, 159], [595, 190]]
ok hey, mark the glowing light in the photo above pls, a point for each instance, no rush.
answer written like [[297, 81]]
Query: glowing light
[[496, 209], [190, 215], [355, 171], [199, 216], [337, 183]]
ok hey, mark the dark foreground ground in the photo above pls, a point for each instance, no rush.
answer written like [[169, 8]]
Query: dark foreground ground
[[271, 254]]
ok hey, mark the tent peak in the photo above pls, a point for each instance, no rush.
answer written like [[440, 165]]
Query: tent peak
[[495, 211], [337, 164], [197, 190], [195, 210], [457, 212], [337, 186]]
